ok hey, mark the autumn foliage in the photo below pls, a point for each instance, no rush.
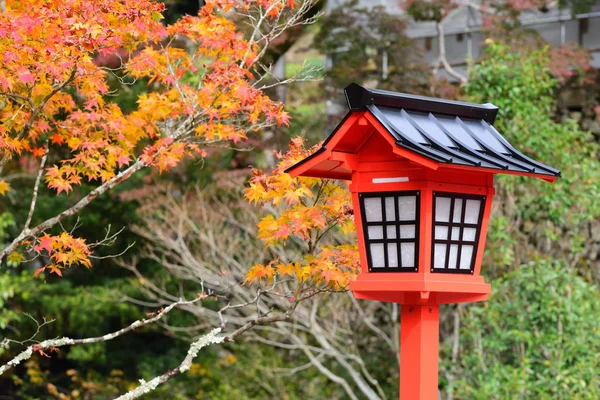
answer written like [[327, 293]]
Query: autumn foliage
[[55, 97], [63, 251], [309, 209]]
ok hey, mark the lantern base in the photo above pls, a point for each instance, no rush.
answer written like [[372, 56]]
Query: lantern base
[[420, 289]]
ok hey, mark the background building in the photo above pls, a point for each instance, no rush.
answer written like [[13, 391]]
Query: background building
[[464, 38]]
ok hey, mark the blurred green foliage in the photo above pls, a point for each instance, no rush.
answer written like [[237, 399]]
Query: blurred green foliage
[[550, 218], [538, 337]]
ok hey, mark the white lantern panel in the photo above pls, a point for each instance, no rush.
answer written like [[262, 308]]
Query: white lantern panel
[[439, 256], [456, 225], [373, 209], [392, 249], [472, 211], [407, 207], [455, 233], [391, 232], [408, 254], [389, 220], [453, 256], [375, 232], [457, 210], [441, 232], [469, 234], [466, 256], [377, 256], [407, 231], [442, 209], [390, 209]]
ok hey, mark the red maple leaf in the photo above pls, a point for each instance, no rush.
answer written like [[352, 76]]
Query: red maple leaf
[[25, 76], [57, 139], [45, 244], [38, 151]]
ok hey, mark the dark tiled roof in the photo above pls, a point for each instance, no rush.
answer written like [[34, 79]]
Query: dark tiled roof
[[455, 140], [449, 132]]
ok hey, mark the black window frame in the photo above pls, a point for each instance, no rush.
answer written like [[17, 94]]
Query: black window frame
[[384, 224], [461, 225]]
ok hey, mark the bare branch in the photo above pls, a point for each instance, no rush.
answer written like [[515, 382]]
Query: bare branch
[[373, 327], [109, 240], [6, 341], [274, 28], [306, 73], [192, 237], [442, 57], [147, 387], [18, 175], [36, 186], [324, 370], [293, 371], [54, 343]]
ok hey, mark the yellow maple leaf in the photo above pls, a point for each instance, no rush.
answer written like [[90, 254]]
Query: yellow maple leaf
[[258, 272], [285, 269], [255, 193], [4, 187]]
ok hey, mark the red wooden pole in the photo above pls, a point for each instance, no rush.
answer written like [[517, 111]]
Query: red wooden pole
[[419, 344]]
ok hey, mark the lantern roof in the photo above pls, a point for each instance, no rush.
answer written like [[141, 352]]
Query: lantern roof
[[436, 132]]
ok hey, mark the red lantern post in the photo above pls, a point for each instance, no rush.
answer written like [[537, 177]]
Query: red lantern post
[[422, 186]]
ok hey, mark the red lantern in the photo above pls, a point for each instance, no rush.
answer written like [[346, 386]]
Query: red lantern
[[422, 185]]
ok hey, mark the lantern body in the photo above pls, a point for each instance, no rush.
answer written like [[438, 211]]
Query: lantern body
[[408, 255]]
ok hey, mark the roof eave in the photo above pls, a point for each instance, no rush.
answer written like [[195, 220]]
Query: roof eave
[[297, 170], [493, 171]]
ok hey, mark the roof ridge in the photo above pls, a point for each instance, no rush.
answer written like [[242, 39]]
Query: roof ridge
[[358, 97]]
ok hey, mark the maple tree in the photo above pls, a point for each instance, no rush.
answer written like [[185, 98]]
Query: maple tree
[[55, 103], [205, 87]]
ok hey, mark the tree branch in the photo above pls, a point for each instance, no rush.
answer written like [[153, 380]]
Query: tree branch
[[123, 175], [147, 387], [442, 57], [324, 370], [65, 341], [210, 338], [36, 187]]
